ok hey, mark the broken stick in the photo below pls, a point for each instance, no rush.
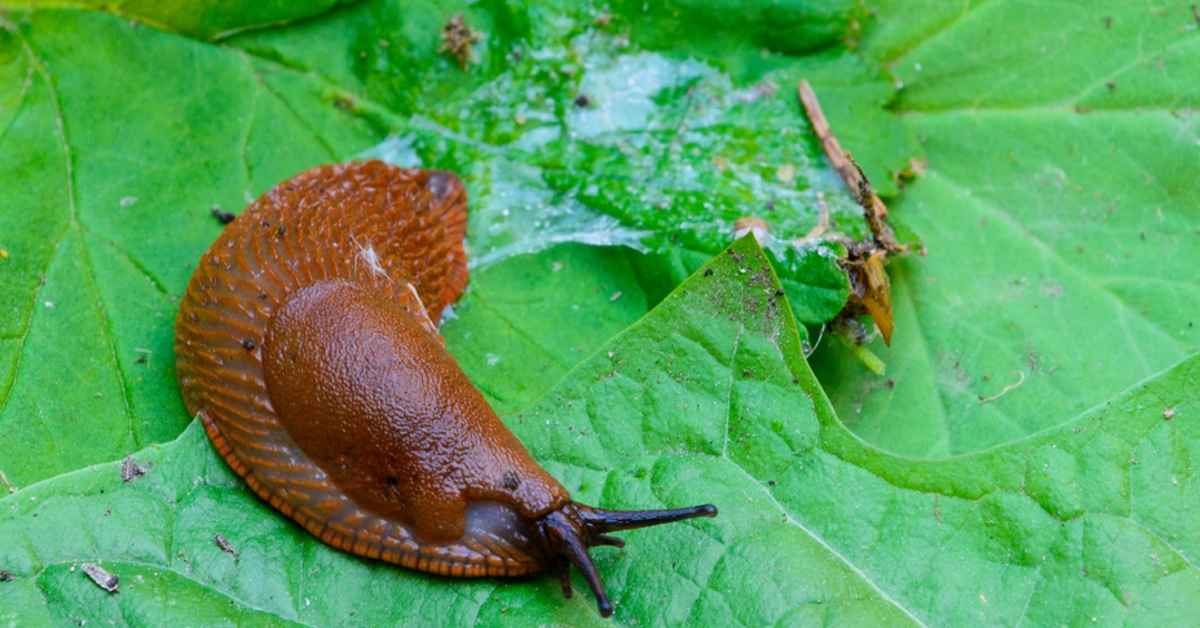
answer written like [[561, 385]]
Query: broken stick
[[873, 208]]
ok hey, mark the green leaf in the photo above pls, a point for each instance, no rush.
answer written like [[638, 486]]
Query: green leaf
[[530, 318], [1058, 212], [707, 398], [204, 19], [113, 174], [668, 413], [1066, 499]]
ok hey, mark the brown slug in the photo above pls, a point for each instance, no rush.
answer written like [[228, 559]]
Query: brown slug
[[307, 345]]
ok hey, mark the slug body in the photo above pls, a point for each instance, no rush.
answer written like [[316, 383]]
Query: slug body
[[307, 344]]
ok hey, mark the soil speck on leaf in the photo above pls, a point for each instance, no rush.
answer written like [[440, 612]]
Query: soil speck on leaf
[[223, 217]]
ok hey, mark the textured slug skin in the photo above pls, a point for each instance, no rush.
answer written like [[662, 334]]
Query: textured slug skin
[[307, 345]]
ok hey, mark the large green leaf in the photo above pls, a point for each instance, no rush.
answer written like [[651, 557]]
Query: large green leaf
[[1059, 210], [708, 398], [205, 19], [110, 176], [665, 414], [1077, 503]]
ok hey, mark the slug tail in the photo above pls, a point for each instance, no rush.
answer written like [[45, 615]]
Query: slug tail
[[450, 208]]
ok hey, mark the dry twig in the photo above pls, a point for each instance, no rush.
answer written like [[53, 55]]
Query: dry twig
[[874, 209]]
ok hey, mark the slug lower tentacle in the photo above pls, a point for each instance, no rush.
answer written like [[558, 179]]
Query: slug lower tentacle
[[307, 345]]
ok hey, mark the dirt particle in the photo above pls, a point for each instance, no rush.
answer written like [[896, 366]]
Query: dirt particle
[[223, 217], [511, 479], [131, 470], [457, 39], [223, 543], [102, 578]]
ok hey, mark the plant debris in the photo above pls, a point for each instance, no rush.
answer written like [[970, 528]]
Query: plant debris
[[10, 487], [223, 543], [1006, 389], [457, 39], [102, 578], [870, 288], [822, 226], [131, 470], [874, 210]]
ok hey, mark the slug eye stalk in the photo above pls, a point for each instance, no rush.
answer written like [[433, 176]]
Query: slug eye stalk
[[571, 530]]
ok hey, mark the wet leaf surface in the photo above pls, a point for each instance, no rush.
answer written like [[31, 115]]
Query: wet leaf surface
[[1045, 341]]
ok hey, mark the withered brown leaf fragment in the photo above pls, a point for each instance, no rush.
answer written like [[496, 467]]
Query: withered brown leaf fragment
[[870, 288], [457, 39]]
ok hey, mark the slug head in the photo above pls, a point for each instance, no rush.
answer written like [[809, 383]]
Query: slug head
[[572, 529]]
